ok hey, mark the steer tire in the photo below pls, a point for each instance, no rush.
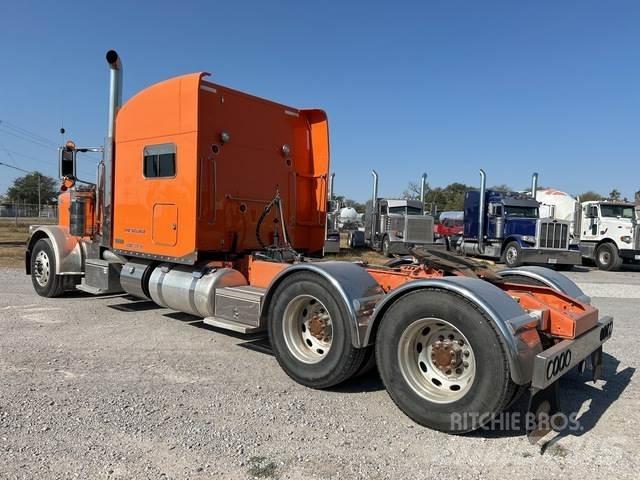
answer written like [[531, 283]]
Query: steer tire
[[607, 257], [43, 260], [386, 247], [512, 255], [286, 315], [488, 392]]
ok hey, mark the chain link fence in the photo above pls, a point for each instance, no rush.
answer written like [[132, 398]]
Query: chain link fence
[[28, 210]]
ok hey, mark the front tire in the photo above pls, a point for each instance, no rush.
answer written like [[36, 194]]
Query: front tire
[[443, 362], [607, 257], [512, 255], [310, 334], [386, 246], [43, 267]]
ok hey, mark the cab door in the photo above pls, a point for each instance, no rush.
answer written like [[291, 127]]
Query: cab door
[[165, 224]]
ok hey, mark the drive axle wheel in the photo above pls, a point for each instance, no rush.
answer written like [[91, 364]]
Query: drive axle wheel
[[43, 267], [310, 334], [443, 362], [436, 360], [307, 329]]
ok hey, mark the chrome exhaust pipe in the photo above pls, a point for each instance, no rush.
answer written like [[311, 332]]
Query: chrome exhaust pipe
[[423, 190], [115, 102], [115, 90], [481, 214], [331, 180], [534, 185], [374, 203]]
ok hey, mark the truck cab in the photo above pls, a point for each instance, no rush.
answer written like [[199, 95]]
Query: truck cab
[[608, 233], [393, 226], [507, 226]]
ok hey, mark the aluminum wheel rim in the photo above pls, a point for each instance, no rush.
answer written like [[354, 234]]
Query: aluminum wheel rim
[[42, 268], [307, 328], [417, 360], [604, 257], [512, 254]]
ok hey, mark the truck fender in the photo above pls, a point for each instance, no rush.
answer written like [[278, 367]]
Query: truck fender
[[69, 251], [353, 284], [550, 278], [516, 327], [514, 238]]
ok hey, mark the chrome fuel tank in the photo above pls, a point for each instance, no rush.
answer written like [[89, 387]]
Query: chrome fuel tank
[[191, 289]]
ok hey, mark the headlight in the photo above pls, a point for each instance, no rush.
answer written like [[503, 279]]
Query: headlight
[[528, 239], [626, 239]]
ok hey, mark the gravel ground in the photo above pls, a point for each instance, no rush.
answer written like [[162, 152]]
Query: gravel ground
[[106, 388]]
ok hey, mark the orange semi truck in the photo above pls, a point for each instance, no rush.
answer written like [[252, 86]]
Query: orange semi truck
[[210, 201]]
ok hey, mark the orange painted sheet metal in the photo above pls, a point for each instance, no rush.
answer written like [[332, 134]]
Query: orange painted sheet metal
[[261, 273], [155, 214], [232, 153], [249, 149], [567, 317]]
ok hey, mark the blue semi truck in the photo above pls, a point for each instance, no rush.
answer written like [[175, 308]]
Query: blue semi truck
[[507, 226]]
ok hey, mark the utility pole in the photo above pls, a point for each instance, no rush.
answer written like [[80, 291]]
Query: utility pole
[[39, 182]]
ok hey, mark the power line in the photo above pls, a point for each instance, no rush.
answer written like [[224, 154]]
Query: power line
[[27, 139], [29, 133]]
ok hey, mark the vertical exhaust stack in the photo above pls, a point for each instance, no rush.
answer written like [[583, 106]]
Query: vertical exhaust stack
[[481, 210], [423, 191], [115, 102], [331, 180], [534, 185], [374, 202]]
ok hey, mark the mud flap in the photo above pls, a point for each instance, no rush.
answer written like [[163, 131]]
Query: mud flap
[[543, 405], [596, 364]]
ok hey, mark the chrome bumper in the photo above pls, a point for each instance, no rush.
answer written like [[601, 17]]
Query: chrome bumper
[[551, 364]]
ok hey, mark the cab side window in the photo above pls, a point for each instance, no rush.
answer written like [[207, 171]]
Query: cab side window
[[160, 161]]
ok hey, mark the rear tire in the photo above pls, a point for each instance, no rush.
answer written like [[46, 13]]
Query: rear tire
[[454, 399], [310, 333], [512, 255], [43, 266], [607, 257]]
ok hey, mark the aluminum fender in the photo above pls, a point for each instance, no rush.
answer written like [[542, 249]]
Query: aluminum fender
[[69, 251], [552, 279], [517, 327], [358, 290]]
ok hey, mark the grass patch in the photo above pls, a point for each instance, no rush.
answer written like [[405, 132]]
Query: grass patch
[[261, 467], [13, 237]]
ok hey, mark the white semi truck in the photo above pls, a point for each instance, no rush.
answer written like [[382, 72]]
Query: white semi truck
[[606, 231]]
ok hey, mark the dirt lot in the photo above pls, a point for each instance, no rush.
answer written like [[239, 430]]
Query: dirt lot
[[103, 387]]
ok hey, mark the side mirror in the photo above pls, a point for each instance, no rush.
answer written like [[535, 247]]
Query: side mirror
[[66, 162], [592, 212]]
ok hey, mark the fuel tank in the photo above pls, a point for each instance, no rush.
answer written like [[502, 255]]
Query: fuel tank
[[191, 289]]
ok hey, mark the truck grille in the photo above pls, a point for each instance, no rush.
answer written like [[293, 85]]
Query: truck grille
[[636, 240], [418, 229], [553, 234]]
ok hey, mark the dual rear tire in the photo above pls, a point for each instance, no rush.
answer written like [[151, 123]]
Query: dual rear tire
[[439, 357]]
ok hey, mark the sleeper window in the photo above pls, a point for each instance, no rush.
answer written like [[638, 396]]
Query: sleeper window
[[160, 161]]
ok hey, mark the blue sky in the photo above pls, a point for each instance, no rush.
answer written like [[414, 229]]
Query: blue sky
[[443, 87]]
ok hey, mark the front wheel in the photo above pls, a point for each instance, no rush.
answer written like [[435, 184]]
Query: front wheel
[[310, 334], [43, 270], [512, 255], [386, 247], [607, 257], [443, 362]]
